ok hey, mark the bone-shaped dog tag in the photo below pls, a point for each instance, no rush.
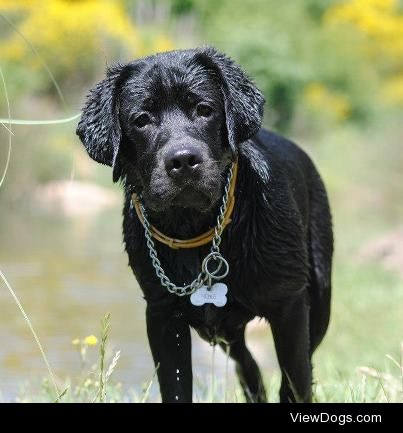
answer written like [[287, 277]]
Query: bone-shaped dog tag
[[216, 295]]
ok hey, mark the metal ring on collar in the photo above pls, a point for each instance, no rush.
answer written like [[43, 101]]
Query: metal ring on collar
[[213, 274]]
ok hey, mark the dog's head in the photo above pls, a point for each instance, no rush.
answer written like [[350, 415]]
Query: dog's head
[[170, 124]]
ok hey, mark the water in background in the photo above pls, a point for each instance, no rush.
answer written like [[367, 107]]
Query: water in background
[[68, 272]]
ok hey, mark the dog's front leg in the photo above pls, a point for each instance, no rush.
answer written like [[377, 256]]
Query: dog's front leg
[[170, 342]]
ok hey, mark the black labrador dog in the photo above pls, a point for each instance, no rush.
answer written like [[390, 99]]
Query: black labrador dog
[[173, 127]]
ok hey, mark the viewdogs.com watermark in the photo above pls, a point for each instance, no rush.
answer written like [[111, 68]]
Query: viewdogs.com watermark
[[340, 419]]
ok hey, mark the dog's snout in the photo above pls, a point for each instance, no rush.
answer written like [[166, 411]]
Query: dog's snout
[[183, 162]]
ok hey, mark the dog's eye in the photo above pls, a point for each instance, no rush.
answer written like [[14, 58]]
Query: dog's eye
[[142, 120], [204, 110]]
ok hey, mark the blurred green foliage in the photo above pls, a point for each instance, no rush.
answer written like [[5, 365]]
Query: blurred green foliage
[[317, 61]]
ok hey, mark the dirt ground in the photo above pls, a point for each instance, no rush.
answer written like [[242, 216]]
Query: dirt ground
[[386, 250]]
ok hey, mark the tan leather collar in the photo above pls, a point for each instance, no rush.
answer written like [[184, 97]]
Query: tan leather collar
[[202, 239]]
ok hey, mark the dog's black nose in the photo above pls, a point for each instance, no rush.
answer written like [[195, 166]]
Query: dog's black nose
[[182, 162]]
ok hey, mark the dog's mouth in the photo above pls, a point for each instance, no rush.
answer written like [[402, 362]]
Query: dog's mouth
[[200, 193], [192, 197], [189, 196]]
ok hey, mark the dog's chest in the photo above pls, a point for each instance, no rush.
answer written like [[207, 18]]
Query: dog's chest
[[218, 324], [215, 324]]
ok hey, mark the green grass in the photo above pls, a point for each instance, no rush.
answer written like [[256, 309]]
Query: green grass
[[365, 385]]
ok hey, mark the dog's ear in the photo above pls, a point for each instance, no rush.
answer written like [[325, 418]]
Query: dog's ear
[[243, 100], [99, 127]]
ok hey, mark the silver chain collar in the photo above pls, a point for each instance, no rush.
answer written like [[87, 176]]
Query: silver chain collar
[[206, 275]]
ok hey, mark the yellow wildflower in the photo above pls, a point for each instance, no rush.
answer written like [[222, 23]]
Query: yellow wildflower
[[392, 90], [381, 20], [75, 35], [91, 340], [323, 100]]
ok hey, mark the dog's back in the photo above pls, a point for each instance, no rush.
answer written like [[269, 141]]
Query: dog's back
[[309, 193]]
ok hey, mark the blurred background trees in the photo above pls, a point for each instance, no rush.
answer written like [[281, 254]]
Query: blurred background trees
[[339, 60], [75, 38]]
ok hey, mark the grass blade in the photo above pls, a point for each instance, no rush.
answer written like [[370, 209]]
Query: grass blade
[[39, 122], [112, 366], [9, 129], [147, 390], [61, 395], [105, 328], [38, 343], [35, 51], [108, 374]]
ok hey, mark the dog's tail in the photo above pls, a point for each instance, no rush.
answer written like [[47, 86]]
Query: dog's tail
[[320, 256]]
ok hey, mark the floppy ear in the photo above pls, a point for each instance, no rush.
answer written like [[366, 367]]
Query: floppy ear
[[243, 100], [99, 127]]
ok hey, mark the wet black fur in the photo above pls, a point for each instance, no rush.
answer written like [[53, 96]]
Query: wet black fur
[[279, 244]]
